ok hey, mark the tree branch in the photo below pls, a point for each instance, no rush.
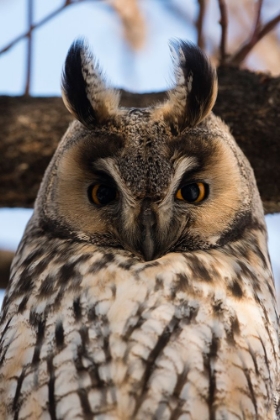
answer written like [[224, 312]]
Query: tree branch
[[224, 28], [257, 21], [6, 258], [37, 25], [199, 23], [30, 129], [237, 58], [29, 47]]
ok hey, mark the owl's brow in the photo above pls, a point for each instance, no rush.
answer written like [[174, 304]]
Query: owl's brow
[[108, 165], [183, 165], [105, 165]]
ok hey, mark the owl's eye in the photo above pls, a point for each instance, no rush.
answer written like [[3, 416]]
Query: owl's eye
[[192, 193], [102, 194]]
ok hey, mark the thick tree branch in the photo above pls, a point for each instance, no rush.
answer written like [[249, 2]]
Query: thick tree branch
[[6, 258], [30, 129]]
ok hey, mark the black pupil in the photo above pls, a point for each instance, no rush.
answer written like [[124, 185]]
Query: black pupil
[[190, 192], [106, 194]]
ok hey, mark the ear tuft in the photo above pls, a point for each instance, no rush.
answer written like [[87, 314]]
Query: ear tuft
[[195, 92], [84, 89]]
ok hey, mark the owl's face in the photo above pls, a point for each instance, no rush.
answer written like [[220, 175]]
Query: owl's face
[[151, 181]]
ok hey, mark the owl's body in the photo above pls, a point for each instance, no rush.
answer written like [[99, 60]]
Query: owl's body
[[142, 287]]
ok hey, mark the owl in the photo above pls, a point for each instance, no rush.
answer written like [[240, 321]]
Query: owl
[[142, 287]]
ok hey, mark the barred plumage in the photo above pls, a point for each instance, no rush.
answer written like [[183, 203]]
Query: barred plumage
[[142, 287]]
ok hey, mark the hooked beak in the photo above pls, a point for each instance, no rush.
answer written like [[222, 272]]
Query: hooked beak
[[148, 227]]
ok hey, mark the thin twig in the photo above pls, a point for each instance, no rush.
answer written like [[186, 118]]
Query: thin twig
[[242, 53], [37, 25], [29, 47], [257, 21], [199, 23], [224, 28], [268, 27]]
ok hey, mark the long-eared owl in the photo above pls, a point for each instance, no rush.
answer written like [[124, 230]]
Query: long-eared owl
[[142, 287]]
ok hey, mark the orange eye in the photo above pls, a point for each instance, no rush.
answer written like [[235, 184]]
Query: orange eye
[[192, 193], [101, 194]]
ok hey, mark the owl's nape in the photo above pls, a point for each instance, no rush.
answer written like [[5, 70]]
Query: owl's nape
[[90, 327]]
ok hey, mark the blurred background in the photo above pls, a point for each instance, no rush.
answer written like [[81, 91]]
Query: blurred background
[[130, 40]]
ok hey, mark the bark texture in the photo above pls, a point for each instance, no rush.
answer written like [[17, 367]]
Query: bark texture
[[30, 129]]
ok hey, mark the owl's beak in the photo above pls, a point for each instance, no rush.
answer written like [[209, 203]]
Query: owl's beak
[[147, 225]]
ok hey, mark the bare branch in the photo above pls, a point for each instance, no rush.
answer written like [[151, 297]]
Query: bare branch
[[268, 27], [246, 48], [224, 28], [134, 32], [37, 25], [257, 21], [199, 23], [29, 47]]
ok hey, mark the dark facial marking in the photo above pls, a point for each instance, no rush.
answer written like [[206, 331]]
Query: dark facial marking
[[100, 145], [242, 222]]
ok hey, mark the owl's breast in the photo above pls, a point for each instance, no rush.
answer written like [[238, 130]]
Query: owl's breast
[[122, 339]]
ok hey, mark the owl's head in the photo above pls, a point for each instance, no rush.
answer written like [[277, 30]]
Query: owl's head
[[167, 178]]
